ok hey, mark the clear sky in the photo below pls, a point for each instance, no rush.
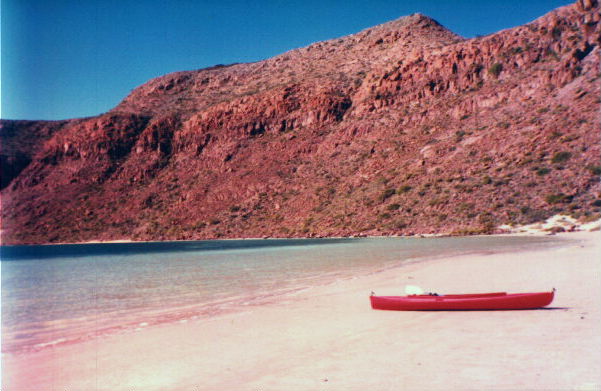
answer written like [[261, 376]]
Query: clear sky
[[75, 58]]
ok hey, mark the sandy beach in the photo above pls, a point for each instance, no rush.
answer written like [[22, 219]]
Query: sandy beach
[[328, 337]]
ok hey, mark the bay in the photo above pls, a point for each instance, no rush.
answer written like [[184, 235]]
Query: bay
[[57, 294]]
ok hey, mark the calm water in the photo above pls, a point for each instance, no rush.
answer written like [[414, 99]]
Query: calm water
[[65, 293]]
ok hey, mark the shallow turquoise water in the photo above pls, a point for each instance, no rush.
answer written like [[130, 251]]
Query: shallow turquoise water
[[59, 294]]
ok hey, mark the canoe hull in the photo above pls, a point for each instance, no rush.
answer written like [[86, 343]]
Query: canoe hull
[[494, 301]]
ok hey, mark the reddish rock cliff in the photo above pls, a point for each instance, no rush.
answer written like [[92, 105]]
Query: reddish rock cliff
[[403, 128]]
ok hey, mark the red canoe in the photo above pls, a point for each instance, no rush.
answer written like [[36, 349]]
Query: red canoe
[[477, 301]]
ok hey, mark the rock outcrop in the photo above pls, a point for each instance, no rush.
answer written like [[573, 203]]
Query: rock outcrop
[[404, 128]]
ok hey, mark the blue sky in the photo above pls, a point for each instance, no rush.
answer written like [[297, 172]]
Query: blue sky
[[68, 58]]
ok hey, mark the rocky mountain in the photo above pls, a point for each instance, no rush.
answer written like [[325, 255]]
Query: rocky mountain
[[403, 128]]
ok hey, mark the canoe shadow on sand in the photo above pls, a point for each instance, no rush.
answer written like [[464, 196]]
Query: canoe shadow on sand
[[500, 310]]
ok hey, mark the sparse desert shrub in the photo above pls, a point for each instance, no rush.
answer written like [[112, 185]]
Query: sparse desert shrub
[[386, 194], [393, 207], [403, 189], [459, 135], [384, 216], [464, 188], [199, 225], [561, 157], [488, 227], [434, 202], [466, 231], [595, 170], [552, 53], [569, 137], [540, 171], [517, 50], [495, 69], [465, 206], [589, 217], [557, 198], [398, 224]]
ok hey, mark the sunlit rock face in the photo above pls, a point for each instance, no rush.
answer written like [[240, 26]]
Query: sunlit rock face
[[403, 128]]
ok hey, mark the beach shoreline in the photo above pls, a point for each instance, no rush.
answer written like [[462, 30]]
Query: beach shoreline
[[554, 224], [327, 337]]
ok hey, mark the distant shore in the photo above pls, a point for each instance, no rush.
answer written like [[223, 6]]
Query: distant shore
[[328, 337], [553, 225]]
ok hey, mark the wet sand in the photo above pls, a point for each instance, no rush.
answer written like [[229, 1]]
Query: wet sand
[[328, 337]]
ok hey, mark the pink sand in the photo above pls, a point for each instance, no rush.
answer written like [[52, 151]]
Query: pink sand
[[328, 337]]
